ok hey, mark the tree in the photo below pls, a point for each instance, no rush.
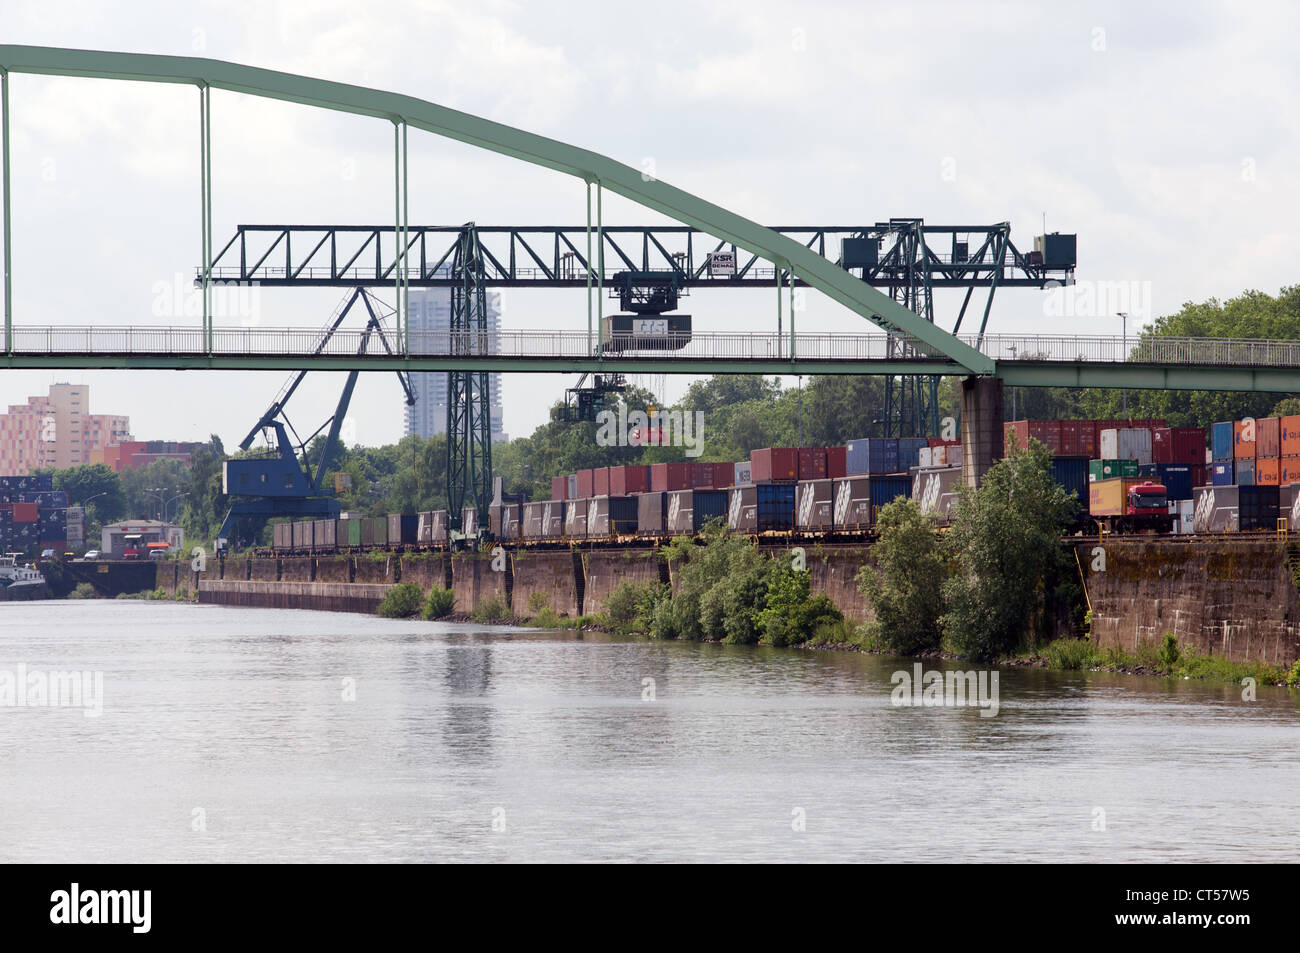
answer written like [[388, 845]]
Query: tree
[[1005, 542], [97, 483], [905, 586]]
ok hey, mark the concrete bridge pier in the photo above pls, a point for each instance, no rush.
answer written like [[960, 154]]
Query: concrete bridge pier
[[981, 427]]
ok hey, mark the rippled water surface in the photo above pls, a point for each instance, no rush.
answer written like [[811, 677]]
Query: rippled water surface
[[270, 735]]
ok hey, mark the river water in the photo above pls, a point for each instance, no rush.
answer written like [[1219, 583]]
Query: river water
[[269, 735]]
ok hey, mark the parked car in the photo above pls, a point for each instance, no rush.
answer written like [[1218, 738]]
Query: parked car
[[91, 554]]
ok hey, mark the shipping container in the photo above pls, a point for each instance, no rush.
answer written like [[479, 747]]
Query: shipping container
[[600, 481], [815, 505], [1268, 438], [1222, 435], [1290, 472], [812, 463], [670, 476], [349, 533], [559, 487], [1127, 443], [702, 476], [1290, 434], [325, 535], [744, 474], [858, 499], [403, 529], [652, 513], [586, 483], [374, 531], [1110, 469], [1017, 433], [935, 491], [1072, 473], [544, 519], [1244, 470], [431, 527], [1268, 472], [1178, 445], [303, 534], [469, 521], [1243, 440], [611, 516], [761, 508], [24, 512], [629, 480], [1221, 473], [282, 535], [1073, 440], [689, 511], [572, 492], [1257, 508], [724, 475], [1177, 478], [836, 462], [504, 520], [871, 455], [909, 450], [925, 459], [774, 464]]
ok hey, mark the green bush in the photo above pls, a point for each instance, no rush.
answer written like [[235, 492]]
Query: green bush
[[1070, 655], [493, 610], [402, 601], [1169, 652], [629, 606], [546, 618], [440, 603], [1293, 677], [84, 590]]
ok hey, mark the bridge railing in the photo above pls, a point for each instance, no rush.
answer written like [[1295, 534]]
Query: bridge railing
[[737, 346]]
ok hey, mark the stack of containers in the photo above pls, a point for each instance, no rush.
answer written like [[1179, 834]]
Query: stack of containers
[[1221, 454], [1243, 452], [871, 455], [774, 465], [1268, 451], [909, 452], [1177, 460]]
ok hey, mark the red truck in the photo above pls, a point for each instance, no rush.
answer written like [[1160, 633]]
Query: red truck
[[1130, 505]]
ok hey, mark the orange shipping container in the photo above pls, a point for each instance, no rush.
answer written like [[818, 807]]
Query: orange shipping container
[[1290, 470], [1243, 449], [1291, 436], [1109, 497], [1267, 472]]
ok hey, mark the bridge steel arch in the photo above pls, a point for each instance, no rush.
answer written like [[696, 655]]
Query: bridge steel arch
[[592, 167]]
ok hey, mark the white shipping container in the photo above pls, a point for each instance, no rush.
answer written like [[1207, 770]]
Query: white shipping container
[[953, 456], [1109, 441], [1134, 444], [744, 473], [924, 458], [939, 456]]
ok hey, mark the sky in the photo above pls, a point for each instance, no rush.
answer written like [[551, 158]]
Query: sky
[[1164, 135]]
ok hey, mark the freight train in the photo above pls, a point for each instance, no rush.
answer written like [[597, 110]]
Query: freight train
[[1129, 476]]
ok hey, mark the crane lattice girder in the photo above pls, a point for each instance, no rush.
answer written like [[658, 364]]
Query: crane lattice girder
[[554, 256], [593, 168]]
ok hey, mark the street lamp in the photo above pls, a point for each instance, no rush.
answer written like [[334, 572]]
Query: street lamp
[[1124, 332], [170, 502], [1013, 349]]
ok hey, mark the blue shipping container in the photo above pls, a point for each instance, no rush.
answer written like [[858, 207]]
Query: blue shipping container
[[1245, 472], [1072, 473], [909, 452], [886, 489], [1176, 478], [1221, 440], [1221, 474], [872, 455], [775, 506]]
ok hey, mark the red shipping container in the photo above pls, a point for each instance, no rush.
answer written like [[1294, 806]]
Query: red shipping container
[[600, 481], [559, 487], [702, 475], [1290, 433], [774, 463], [1047, 432], [586, 484], [1290, 470], [1199, 476], [627, 480], [1267, 472], [25, 513], [1178, 445], [935, 442], [812, 463], [837, 461], [1243, 449], [724, 475], [670, 476], [1268, 438]]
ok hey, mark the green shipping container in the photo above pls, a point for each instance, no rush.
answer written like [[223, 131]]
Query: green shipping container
[[1111, 469], [352, 527]]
